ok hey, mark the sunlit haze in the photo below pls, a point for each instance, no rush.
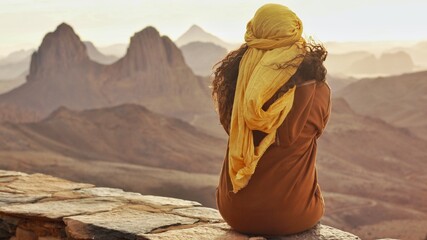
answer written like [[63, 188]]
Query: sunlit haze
[[23, 23]]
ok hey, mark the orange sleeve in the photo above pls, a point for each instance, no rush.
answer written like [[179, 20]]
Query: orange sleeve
[[297, 117], [326, 112]]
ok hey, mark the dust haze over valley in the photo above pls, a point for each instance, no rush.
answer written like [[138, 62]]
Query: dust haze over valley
[[139, 116]]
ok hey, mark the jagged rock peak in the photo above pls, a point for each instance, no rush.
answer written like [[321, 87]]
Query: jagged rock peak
[[60, 49], [63, 36], [64, 28], [148, 48], [148, 31], [148, 35]]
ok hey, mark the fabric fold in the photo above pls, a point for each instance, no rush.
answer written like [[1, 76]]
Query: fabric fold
[[275, 50]]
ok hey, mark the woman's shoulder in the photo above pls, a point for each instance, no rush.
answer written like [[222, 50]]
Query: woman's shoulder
[[316, 85], [315, 82], [305, 83]]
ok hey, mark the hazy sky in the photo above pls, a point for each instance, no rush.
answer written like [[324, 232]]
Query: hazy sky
[[23, 23]]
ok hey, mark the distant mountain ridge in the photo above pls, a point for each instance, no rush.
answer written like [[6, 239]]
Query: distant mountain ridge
[[362, 64]]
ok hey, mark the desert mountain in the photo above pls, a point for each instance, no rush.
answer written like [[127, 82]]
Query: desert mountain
[[366, 64], [152, 73], [97, 56], [418, 52], [197, 34], [202, 56], [398, 100], [127, 133], [373, 47], [337, 64], [386, 64]]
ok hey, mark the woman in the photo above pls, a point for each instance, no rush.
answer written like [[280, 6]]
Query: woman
[[274, 103]]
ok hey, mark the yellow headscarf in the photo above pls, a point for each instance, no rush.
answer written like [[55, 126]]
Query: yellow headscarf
[[275, 50]]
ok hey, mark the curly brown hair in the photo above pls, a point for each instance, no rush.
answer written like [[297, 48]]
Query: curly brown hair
[[226, 72]]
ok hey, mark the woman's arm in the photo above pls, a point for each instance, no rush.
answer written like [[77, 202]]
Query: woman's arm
[[326, 112], [289, 131]]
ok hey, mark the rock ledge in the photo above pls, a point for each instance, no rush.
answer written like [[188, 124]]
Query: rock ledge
[[42, 207]]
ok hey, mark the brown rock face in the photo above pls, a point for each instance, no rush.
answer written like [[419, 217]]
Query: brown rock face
[[152, 73]]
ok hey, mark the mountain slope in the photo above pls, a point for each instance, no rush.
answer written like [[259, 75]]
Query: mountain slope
[[127, 133], [399, 100]]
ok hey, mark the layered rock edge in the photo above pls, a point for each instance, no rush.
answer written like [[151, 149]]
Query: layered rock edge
[[42, 207]]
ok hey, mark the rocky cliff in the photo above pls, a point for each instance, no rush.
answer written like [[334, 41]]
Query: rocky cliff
[[42, 207]]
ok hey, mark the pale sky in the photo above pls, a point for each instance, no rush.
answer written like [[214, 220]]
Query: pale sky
[[23, 23]]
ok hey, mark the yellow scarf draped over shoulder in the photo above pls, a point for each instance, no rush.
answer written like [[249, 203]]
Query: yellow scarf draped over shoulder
[[275, 50]]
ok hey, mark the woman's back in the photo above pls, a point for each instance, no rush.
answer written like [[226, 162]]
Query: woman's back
[[283, 196]]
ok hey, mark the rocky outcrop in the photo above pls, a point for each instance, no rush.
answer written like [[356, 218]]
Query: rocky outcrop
[[41, 207]]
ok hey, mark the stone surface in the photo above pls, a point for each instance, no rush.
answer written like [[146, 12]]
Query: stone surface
[[36, 183], [7, 197], [129, 222], [41, 207], [208, 214], [321, 232], [4, 173], [55, 210], [206, 232]]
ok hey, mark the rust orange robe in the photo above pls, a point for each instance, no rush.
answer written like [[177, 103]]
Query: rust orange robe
[[283, 195]]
